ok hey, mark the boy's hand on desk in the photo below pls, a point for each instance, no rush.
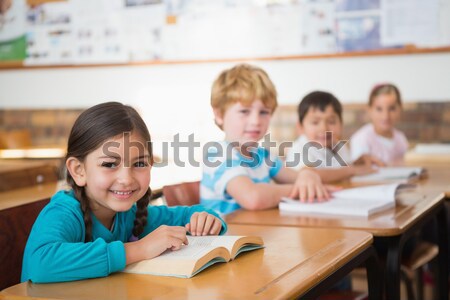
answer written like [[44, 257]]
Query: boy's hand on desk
[[203, 223], [308, 187]]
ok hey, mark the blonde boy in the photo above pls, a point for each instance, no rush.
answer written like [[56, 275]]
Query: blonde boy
[[237, 172]]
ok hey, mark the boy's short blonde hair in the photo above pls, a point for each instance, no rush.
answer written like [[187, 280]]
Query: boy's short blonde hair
[[243, 83]]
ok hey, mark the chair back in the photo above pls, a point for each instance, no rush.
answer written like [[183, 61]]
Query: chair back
[[15, 227], [186, 193]]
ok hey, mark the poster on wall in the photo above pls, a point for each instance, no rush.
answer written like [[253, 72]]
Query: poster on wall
[[50, 33], [144, 21], [358, 25], [76, 32], [12, 30], [444, 22], [318, 27], [414, 22], [357, 5], [99, 32], [359, 33], [204, 30]]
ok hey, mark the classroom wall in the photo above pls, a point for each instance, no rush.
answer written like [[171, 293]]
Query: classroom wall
[[180, 92], [421, 77]]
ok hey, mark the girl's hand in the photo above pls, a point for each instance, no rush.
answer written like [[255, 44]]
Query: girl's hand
[[309, 187], [163, 238], [203, 223]]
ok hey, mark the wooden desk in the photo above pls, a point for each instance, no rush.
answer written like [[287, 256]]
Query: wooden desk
[[295, 261], [438, 179], [394, 226], [27, 195], [16, 174], [437, 159]]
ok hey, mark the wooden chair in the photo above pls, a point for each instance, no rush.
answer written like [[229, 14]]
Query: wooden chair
[[186, 193], [15, 227], [412, 268]]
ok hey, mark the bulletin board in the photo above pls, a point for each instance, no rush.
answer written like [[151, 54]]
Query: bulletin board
[[113, 32]]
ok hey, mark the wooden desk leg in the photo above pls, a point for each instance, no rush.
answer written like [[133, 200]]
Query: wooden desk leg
[[393, 259], [442, 291]]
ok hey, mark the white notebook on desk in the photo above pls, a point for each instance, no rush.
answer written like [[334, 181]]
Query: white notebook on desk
[[396, 174], [361, 201], [432, 149]]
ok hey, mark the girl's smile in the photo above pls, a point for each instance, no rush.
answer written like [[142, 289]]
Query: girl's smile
[[115, 176]]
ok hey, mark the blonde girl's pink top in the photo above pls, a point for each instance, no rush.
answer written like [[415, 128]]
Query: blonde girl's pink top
[[367, 141]]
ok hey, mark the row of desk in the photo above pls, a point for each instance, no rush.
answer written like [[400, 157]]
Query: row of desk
[[304, 256], [393, 226], [262, 274]]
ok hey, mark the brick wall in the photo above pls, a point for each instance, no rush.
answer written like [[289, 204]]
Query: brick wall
[[47, 126], [421, 122], [426, 122]]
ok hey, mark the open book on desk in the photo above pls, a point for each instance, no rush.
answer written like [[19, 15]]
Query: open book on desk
[[392, 174], [360, 201], [200, 253]]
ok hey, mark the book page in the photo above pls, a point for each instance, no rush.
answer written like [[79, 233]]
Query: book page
[[362, 201], [398, 174], [375, 192], [197, 247], [183, 262], [200, 253], [410, 22], [344, 207]]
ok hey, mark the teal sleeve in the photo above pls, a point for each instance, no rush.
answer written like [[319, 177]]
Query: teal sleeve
[[175, 216], [56, 250]]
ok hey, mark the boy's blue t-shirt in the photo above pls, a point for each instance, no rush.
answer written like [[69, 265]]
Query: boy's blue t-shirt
[[223, 163], [56, 250]]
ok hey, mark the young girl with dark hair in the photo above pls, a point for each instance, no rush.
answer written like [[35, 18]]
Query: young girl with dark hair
[[104, 222]]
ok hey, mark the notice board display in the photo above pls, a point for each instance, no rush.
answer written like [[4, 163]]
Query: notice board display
[[96, 32]]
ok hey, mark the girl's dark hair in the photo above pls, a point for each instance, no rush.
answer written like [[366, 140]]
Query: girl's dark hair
[[91, 129], [320, 100], [385, 88]]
